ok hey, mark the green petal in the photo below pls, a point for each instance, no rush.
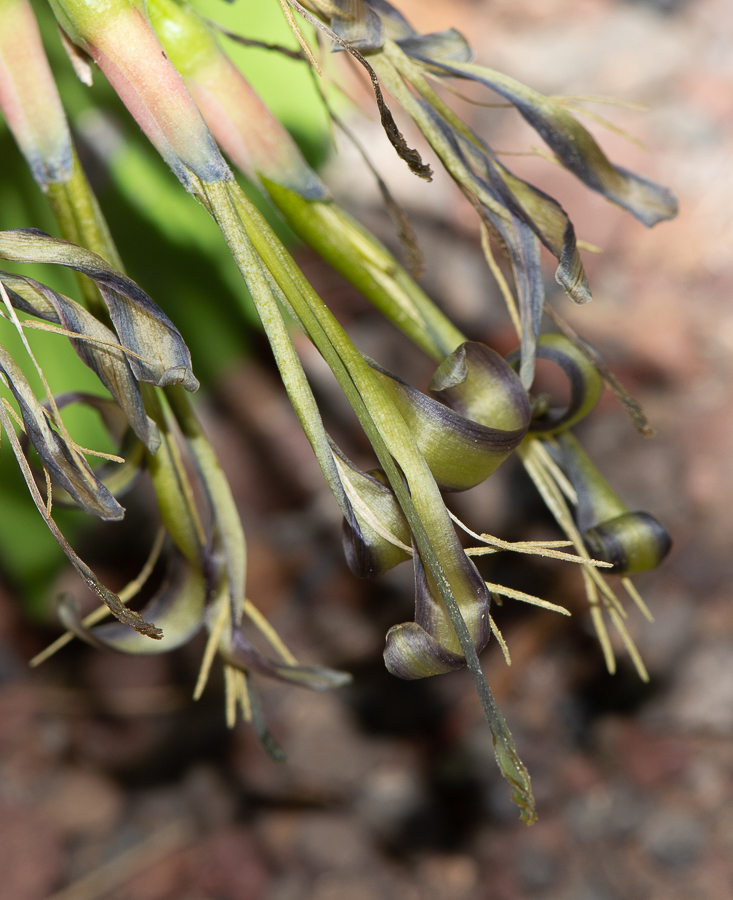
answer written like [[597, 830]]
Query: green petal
[[586, 384], [460, 450], [141, 325], [373, 534], [630, 541], [111, 366]]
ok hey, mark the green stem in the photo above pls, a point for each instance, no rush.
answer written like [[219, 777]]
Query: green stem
[[370, 267], [81, 221], [229, 525]]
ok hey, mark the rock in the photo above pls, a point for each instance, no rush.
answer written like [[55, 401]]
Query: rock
[[333, 842], [673, 838], [30, 855], [702, 698], [80, 802]]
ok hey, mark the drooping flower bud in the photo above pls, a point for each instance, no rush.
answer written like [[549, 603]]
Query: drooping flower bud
[[96, 348], [630, 541], [253, 139], [260, 147]]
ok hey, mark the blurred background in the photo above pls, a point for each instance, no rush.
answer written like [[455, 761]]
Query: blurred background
[[113, 784]]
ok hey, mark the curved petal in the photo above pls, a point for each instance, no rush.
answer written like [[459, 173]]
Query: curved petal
[[586, 384], [162, 355], [462, 451], [242, 654], [178, 608], [67, 466], [377, 538], [428, 646], [630, 541], [574, 146], [111, 365]]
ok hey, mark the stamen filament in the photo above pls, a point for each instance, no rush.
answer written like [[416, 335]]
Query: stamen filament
[[500, 638], [212, 645], [526, 598]]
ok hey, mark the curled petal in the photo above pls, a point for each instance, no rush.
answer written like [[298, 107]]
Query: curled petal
[[477, 383], [586, 384], [359, 25], [243, 655], [462, 451], [633, 542], [67, 466], [428, 646], [162, 357], [574, 146], [630, 541], [118, 478], [411, 653], [377, 537], [178, 608], [111, 365]]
